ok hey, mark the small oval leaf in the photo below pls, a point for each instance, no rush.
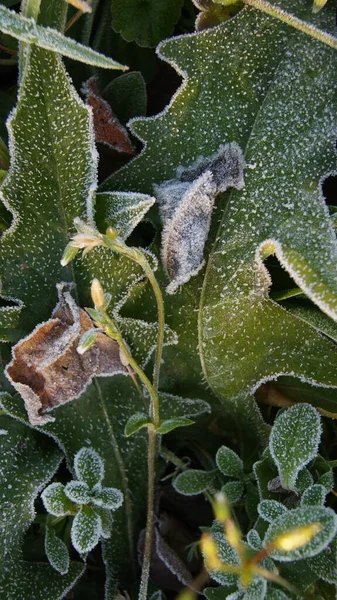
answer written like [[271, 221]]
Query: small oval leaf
[[229, 462], [89, 467], [294, 441], [56, 551], [136, 422], [78, 492], [269, 510], [170, 424], [107, 497], [194, 482], [86, 530], [55, 500]]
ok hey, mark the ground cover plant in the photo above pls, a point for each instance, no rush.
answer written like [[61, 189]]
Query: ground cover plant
[[168, 299]]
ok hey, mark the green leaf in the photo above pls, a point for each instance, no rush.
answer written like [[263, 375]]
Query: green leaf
[[229, 462], [86, 530], [265, 471], [314, 495], [146, 23], [233, 491], [122, 210], [170, 424], [56, 551], [256, 590], [106, 520], [78, 492], [254, 540], [226, 553], [126, 95], [269, 510], [256, 327], [26, 30], [28, 461], [177, 407], [194, 482], [136, 422], [55, 500], [89, 467], [325, 563], [294, 441], [107, 497], [300, 517]]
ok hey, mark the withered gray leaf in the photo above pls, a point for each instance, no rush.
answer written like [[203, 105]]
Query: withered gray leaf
[[46, 368], [186, 205]]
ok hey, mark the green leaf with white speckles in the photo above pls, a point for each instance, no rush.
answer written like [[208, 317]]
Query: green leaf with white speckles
[[294, 441], [256, 82], [26, 452]]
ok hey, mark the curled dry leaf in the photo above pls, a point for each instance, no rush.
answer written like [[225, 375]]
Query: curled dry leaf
[[108, 129], [46, 368], [186, 205]]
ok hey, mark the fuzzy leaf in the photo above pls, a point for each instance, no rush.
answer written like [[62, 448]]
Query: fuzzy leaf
[[229, 462], [106, 521], [146, 23], [136, 422], [298, 518], [177, 407], [254, 539], [233, 491], [56, 551], [78, 492], [294, 441], [126, 95], [55, 500], [86, 530], [314, 495], [89, 467], [269, 510], [170, 424], [26, 30], [256, 590], [107, 497], [27, 464], [194, 482]]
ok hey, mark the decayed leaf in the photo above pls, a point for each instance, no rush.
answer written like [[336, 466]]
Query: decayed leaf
[[46, 368], [186, 206], [108, 129]]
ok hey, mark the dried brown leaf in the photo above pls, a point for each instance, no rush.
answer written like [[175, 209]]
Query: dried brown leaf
[[46, 368]]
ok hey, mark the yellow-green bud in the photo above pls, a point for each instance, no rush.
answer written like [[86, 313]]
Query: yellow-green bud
[[68, 254], [97, 293]]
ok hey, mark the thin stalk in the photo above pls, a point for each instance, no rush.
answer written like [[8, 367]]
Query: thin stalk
[[303, 26], [150, 515]]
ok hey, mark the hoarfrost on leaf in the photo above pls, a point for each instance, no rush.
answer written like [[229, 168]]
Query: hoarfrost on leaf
[[294, 441], [89, 467], [86, 530]]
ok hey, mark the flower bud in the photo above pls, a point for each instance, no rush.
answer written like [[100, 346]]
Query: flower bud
[[87, 340], [68, 254], [111, 233], [97, 293], [296, 538]]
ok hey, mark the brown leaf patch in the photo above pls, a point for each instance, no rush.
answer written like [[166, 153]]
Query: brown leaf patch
[[108, 129], [46, 368]]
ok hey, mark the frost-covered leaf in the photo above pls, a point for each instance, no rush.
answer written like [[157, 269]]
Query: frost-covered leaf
[[55, 500], [229, 462], [325, 563], [78, 492], [194, 482], [56, 551], [142, 337], [176, 407], [304, 481], [314, 495], [171, 560], [47, 367], [146, 23], [274, 594], [327, 480], [26, 30], [169, 424], [240, 327], [107, 497], [27, 463], [269, 510], [300, 517], [86, 530], [294, 441], [136, 422], [233, 491], [53, 127], [256, 590], [226, 553], [89, 467], [265, 471], [122, 210], [254, 540], [106, 521]]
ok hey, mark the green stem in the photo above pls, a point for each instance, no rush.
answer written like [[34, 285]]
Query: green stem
[[150, 515], [282, 15]]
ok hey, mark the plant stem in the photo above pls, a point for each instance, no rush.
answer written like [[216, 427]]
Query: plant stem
[[150, 515], [30, 8], [303, 26]]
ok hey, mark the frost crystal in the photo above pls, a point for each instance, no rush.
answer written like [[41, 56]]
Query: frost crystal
[[186, 206]]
